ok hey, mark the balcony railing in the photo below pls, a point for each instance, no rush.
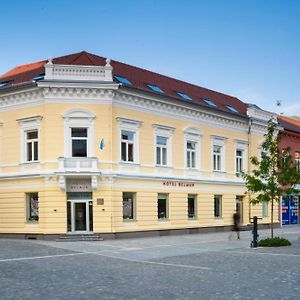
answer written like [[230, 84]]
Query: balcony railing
[[78, 164]]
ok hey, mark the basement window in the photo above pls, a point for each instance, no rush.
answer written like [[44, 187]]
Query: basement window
[[122, 79]]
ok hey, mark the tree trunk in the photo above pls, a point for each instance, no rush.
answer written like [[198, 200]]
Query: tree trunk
[[272, 218]]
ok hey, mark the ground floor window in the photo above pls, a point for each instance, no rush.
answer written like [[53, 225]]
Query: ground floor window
[[192, 206], [264, 209], [162, 206], [218, 206], [128, 206], [32, 200]]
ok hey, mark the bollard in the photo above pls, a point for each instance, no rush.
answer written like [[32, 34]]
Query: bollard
[[254, 232]]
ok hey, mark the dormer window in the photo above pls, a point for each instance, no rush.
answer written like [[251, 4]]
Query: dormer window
[[155, 88]]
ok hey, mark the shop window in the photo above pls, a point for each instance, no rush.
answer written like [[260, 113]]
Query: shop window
[[218, 206], [162, 207], [192, 206], [32, 200], [129, 206]]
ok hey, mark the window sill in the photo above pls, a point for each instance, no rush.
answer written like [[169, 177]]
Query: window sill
[[220, 172], [163, 167], [36, 162], [129, 163]]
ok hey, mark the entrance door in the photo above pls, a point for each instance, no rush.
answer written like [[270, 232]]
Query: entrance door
[[239, 207], [80, 216]]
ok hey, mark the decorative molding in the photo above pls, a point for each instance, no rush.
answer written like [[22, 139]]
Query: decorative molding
[[255, 112], [163, 108], [129, 123], [78, 72]]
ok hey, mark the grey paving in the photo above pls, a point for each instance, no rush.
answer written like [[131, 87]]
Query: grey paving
[[198, 266]]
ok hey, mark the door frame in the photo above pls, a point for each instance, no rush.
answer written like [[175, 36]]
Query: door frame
[[87, 215]]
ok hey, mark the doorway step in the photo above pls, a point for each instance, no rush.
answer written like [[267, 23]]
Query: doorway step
[[79, 238]]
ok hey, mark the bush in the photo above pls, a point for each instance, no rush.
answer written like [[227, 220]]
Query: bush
[[275, 242]]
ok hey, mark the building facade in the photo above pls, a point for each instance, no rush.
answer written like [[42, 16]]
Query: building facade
[[90, 145]]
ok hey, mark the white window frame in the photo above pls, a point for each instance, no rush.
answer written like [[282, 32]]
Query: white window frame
[[220, 142], [163, 196], [192, 135], [242, 146], [134, 127], [28, 208], [78, 118], [28, 125], [166, 132]]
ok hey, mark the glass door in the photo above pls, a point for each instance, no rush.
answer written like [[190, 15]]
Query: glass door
[[80, 216]]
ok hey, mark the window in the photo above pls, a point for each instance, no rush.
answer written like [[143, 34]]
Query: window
[[32, 145], [231, 108], [161, 150], [129, 140], [265, 209], [154, 88], [79, 137], [217, 158], [210, 103], [79, 133], [218, 153], [29, 139], [162, 206], [39, 77], [127, 145], [192, 206], [218, 206], [4, 83], [163, 145], [184, 96], [32, 200], [191, 154], [297, 160], [122, 79], [239, 160], [128, 206]]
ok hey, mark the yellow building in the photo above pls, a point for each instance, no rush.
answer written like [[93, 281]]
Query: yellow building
[[90, 145]]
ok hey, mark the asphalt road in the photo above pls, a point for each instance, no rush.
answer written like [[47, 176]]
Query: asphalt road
[[198, 266]]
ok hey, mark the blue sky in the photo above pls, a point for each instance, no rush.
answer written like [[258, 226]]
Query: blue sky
[[248, 49]]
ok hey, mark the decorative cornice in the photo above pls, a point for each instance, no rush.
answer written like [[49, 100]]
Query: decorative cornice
[[178, 111]]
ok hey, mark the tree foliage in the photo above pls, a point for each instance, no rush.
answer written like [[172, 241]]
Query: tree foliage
[[274, 174]]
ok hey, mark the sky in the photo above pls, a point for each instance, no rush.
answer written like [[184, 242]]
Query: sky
[[245, 48]]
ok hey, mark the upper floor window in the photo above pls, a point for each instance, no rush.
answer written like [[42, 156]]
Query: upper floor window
[[129, 140], [217, 158], [30, 135], [218, 153], [297, 160], [161, 150], [79, 137], [191, 154], [127, 145], [163, 145], [32, 145], [79, 133], [239, 160]]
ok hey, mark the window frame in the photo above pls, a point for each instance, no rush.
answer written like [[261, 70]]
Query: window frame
[[241, 146], [219, 142], [218, 208], [78, 118], [192, 135], [78, 138], [28, 125], [165, 197], [29, 217], [133, 209], [194, 197], [165, 132], [132, 126]]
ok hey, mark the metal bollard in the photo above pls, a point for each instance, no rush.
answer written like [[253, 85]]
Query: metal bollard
[[254, 232]]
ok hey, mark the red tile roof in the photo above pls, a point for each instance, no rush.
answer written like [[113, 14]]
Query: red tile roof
[[137, 76], [289, 123]]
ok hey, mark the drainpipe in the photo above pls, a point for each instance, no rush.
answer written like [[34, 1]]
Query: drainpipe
[[249, 152]]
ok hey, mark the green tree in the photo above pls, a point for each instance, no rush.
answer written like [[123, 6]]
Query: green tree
[[274, 174]]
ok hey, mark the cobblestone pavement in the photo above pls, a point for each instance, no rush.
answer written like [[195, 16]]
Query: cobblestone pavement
[[198, 266]]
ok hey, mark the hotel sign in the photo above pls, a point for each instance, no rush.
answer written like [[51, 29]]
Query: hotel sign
[[79, 185], [178, 184]]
